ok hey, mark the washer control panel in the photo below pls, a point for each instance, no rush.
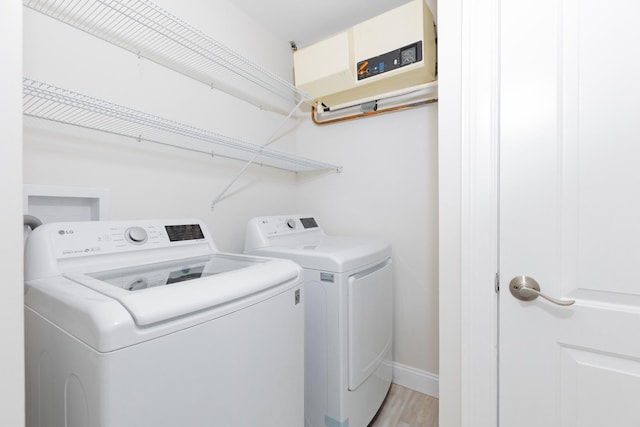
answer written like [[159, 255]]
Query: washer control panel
[[95, 238]]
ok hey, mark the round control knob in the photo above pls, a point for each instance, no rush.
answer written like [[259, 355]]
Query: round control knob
[[291, 223], [136, 235]]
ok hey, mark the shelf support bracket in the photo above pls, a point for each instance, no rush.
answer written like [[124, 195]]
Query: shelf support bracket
[[256, 155]]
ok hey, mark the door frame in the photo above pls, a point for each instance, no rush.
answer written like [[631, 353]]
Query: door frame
[[469, 125], [11, 303]]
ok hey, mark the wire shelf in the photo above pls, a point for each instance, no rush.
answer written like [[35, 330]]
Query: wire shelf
[[44, 101], [148, 31]]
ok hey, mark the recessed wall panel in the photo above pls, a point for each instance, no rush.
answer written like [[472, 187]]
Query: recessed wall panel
[[597, 388]]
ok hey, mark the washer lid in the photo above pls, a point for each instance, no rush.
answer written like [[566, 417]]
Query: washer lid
[[330, 253], [157, 292]]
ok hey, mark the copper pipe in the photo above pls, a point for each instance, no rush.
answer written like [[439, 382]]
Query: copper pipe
[[370, 113]]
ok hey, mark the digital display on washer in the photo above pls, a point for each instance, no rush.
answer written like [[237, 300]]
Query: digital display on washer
[[308, 222], [179, 233], [171, 272]]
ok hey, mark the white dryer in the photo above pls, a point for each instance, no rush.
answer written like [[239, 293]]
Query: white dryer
[[146, 323], [348, 316]]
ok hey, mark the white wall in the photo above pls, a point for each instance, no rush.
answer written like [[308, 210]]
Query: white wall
[[11, 289], [388, 189], [147, 180]]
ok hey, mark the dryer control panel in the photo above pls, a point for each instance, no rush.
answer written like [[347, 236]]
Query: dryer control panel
[[272, 226], [261, 231]]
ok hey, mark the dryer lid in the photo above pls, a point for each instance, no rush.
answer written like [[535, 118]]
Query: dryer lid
[[329, 253]]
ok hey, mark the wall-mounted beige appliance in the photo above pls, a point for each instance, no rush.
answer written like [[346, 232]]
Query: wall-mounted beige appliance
[[388, 55]]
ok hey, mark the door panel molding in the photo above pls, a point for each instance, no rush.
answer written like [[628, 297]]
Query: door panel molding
[[586, 383], [599, 160]]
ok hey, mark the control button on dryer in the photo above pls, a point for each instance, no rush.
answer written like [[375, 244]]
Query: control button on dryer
[[136, 235], [291, 223]]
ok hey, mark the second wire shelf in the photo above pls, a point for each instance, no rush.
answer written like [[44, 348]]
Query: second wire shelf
[[45, 101]]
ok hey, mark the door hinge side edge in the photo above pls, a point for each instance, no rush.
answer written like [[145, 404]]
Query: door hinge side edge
[[496, 283]]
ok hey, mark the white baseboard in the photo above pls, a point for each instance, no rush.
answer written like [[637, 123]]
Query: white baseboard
[[416, 379]]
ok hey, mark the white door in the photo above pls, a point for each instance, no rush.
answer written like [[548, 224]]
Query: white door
[[570, 212]]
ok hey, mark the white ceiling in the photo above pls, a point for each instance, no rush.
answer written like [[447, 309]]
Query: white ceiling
[[308, 21]]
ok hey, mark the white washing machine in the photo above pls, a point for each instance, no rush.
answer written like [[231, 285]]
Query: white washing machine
[[146, 323], [348, 316]]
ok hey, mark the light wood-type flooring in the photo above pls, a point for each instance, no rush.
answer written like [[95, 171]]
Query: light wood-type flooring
[[407, 408]]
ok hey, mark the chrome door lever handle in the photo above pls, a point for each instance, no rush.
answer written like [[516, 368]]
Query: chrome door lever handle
[[526, 288]]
